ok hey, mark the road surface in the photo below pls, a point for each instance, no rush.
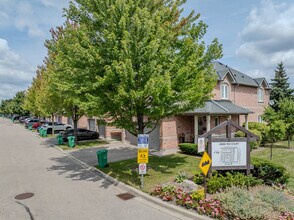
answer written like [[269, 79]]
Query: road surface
[[63, 189]]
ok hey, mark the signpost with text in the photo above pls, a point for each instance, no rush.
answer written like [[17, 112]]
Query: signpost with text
[[143, 155]]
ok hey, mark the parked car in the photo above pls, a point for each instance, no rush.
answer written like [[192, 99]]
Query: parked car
[[57, 127], [15, 118], [38, 124], [22, 118], [83, 134], [30, 122]]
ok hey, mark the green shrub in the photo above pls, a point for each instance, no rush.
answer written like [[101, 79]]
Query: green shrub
[[255, 144], [198, 178], [269, 172], [256, 126], [278, 200], [189, 148], [198, 195], [218, 182], [240, 203], [181, 177]]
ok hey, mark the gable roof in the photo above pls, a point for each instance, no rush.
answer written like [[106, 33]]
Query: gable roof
[[225, 107], [238, 78]]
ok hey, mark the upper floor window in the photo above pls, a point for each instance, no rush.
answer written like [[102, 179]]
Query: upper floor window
[[260, 94], [225, 91]]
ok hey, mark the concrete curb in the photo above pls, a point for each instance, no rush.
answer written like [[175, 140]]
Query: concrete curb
[[136, 192]]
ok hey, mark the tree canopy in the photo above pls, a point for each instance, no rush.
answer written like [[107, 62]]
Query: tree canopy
[[280, 87], [146, 60]]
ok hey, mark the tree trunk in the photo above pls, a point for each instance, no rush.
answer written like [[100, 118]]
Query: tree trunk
[[271, 154], [140, 121], [76, 130], [52, 116], [75, 119], [289, 141]]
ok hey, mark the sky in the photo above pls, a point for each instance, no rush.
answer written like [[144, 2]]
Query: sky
[[256, 35]]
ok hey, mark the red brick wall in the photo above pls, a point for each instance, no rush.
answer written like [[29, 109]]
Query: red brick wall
[[245, 96]]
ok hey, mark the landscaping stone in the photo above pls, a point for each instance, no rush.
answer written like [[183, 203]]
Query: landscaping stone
[[189, 186]]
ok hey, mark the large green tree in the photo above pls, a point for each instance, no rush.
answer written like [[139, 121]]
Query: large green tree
[[280, 87], [148, 60], [69, 78]]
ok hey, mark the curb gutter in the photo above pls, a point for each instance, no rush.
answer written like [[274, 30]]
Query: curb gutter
[[136, 192]]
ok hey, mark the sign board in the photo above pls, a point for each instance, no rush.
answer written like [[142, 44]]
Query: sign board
[[201, 145], [205, 163], [228, 154], [142, 155], [142, 168], [143, 141]]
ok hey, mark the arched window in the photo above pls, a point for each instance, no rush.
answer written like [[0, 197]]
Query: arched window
[[225, 91], [260, 94]]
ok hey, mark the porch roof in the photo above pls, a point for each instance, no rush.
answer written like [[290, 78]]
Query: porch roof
[[222, 107]]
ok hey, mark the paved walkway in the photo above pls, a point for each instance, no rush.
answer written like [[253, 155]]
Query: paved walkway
[[63, 188]]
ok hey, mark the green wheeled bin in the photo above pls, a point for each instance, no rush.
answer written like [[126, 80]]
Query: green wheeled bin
[[30, 127], [59, 139], [102, 158], [71, 141], [44, 133]]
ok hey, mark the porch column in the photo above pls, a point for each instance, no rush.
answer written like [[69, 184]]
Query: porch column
[[246, 122], [195, 128], [229, 117], [207, 123], [123, 136]]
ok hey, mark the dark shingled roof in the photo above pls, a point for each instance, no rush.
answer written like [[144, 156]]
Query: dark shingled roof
[[237, 77], [220, 107]]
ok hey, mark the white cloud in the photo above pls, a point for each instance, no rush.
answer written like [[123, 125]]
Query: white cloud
[[268, 37], [15, 73]]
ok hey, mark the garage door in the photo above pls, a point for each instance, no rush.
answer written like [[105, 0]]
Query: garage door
[[92, 125], [101, 129]]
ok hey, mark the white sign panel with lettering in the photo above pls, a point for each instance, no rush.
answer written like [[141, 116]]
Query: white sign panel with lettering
[[227, 154], [201, 145], [143, 141]]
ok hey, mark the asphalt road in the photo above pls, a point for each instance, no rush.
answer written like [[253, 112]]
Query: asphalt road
[[63, 189]]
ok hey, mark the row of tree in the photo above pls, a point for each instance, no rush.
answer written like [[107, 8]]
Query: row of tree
[[132, 62], [14, 105], [280, 114]]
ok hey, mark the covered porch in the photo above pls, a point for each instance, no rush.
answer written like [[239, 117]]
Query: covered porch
[[211, 115]]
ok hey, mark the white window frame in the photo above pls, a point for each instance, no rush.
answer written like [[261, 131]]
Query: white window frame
[[260, 95], [224, 89], [260, 119]]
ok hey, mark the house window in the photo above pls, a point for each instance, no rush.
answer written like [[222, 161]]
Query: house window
[[225, 91], [260, 94], [216, 121], [260, 119]]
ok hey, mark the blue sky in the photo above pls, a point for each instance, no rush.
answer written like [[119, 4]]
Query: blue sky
[[256, 35]]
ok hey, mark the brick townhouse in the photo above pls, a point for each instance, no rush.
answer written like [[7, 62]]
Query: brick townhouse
[[236, 96]]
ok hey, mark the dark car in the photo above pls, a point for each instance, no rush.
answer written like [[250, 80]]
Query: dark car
[[83, 134]]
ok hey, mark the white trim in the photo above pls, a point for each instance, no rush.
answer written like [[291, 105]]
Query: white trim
[[224, 90]]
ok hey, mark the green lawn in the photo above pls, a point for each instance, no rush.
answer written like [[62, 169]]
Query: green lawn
[[282, 144], [160, 170], [281, 156], [84, 144]]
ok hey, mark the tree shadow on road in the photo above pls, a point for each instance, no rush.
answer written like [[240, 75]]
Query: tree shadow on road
[[76, 171]]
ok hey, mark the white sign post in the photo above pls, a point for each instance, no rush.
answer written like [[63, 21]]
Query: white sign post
[[201, 145], [143, 143], [142, 168]]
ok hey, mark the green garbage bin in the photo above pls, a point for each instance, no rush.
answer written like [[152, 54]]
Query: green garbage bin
[[30, 127], [44, 133], [102, 158], [59, 139], [71, 141]]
